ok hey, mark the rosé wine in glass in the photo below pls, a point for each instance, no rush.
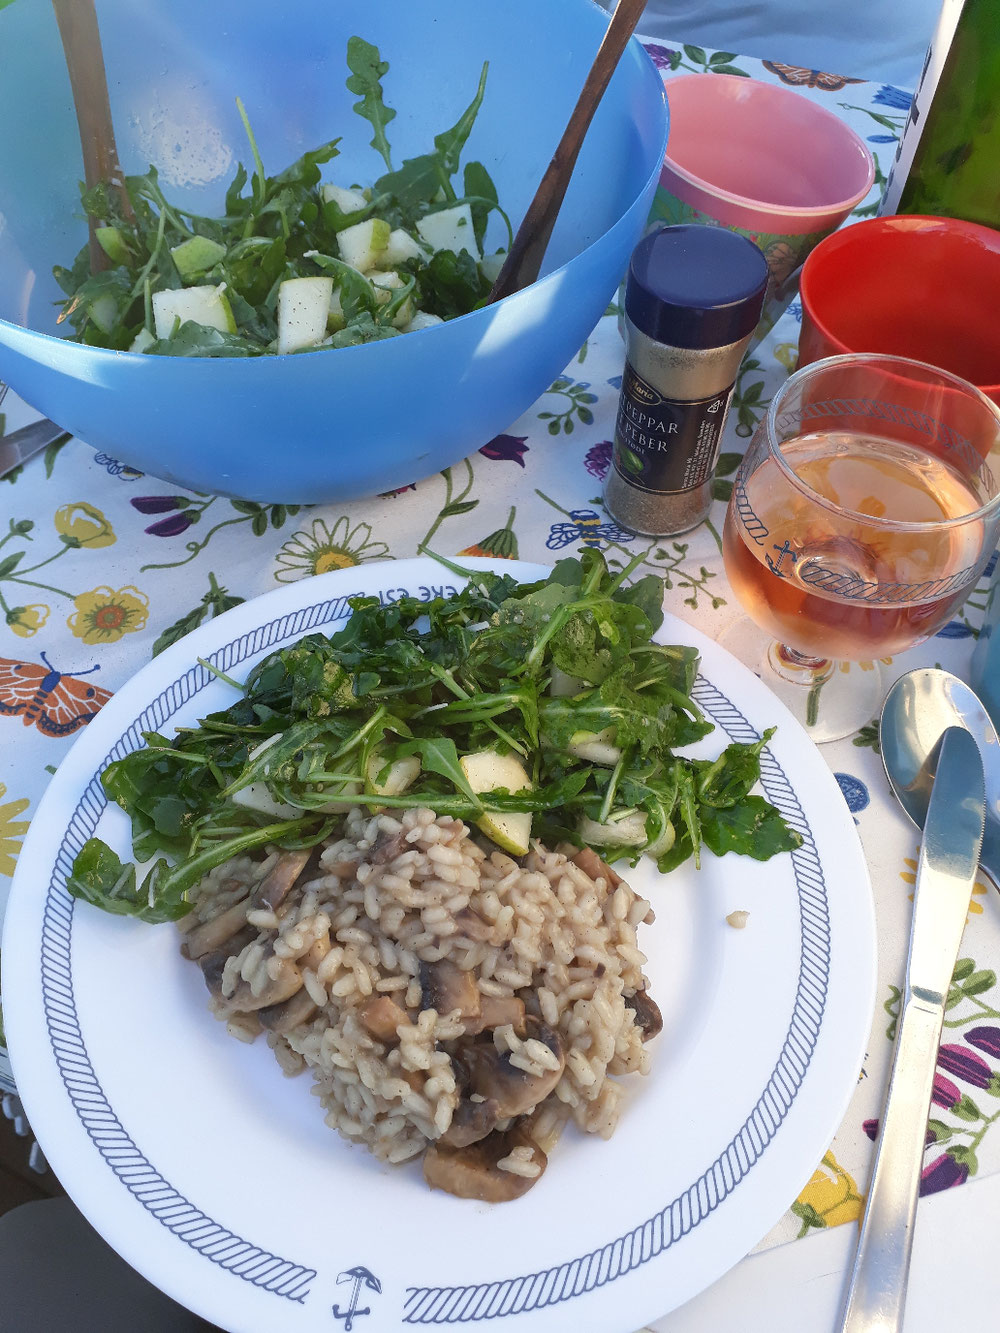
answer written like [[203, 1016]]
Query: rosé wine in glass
[[864, 512]]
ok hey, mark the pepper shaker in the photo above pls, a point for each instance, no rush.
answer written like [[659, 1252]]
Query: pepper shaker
[[693, 298]]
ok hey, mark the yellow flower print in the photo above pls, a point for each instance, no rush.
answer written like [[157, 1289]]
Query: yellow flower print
[[27, 620], [830, 1199], [12, 830], [80, 524], [104, 615], [979, 889], [865, 666], [787, 354], [324, 549]]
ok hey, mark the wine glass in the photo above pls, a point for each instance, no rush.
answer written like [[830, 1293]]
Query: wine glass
[[865, 510]]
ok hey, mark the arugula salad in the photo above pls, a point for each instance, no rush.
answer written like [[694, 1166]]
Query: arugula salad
[[541, 710], [294, 264]]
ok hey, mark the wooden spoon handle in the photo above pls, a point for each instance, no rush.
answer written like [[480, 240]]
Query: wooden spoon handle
[[81, 39], [524, 260]]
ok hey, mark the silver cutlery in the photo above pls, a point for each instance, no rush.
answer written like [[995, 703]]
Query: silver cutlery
[[917, 711], [946, 873], [20, 445]]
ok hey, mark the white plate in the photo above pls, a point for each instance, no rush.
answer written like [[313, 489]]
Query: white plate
[[215, 1176]]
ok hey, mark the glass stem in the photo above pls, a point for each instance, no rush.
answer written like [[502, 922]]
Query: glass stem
[[798, 668]]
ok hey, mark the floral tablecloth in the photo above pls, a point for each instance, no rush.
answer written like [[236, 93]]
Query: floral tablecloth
[[101, 567]]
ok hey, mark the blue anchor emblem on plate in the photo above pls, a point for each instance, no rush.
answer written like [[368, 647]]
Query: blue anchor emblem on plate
[[361, 1279]]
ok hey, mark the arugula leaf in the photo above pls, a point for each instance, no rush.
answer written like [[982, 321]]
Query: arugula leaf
[[367, 68], [452, 284], [439, 755], [193, 339], [450, 143], [99, 877], [753, 828]]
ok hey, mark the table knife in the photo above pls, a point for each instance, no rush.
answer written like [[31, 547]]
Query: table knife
[[946, 873], [20, 445]]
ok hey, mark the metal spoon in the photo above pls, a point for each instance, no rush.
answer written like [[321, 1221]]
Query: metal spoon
[[917, 711]]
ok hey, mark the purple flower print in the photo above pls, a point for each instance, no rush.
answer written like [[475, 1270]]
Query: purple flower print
[[176, 506], [172, 526], [945, 1093], [987, 1039], [506, 449], [870, 1127], [942, 1174], [598, 459], [661, 56], [157, 504], [965, 1065]]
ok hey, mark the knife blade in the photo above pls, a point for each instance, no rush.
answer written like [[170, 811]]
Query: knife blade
[[20, 445], [946, 873]]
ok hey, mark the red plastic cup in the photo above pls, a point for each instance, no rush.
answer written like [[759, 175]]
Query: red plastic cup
[[921, 287]]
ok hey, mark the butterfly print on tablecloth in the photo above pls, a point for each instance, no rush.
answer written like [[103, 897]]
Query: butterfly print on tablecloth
[[800, 77], [57, 702]]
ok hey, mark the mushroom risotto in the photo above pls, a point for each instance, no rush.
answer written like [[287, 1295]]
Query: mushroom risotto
[[448, 1000]]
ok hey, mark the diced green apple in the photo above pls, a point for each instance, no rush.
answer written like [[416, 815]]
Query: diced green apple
[[256, 796], [627, 832], [385, 285], [423, 319], [336, 319], [596, 747], [204, 305], [113, 244], [392, 779], [303, 311], [490, 265], [450, 229], [196, 256], [562, 685], [401, 246], [348, 201], [486, 770], [104, 312], [362, 245], [141, 340]]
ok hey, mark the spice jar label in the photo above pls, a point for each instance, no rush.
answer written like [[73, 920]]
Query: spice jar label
[[663, 444]]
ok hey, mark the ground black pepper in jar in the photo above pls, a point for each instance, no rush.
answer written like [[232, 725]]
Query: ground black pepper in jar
[[693, 298]]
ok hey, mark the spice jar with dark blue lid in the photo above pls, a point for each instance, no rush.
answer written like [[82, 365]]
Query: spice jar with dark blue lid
[[693, 298]]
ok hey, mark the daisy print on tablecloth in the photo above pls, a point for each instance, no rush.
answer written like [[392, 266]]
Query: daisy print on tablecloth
[[103, 615], [318, 549], [12, 830]]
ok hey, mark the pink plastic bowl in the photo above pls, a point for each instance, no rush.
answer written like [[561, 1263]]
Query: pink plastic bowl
[[761, 158]]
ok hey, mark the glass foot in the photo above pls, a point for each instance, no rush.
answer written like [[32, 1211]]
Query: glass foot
[[830, 699]]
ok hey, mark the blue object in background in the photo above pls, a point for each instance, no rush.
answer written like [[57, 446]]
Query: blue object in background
[[326, 425], [985, 670]]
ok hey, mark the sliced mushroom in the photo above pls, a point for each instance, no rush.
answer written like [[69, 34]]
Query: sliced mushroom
[[445, 987], [492, 1075], [495, 1011], [275, 991], [289, 1014], [213, 964], [388, 846], [274, 888], [648, 1018], [472, 926], [591, 864], [471, 1172], [212, 935], [471, 1122], [382, 1016]]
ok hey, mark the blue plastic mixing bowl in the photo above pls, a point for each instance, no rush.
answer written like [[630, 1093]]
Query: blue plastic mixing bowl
[[334, 424]]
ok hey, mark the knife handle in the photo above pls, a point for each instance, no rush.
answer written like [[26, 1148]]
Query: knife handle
[[877, 1293]]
